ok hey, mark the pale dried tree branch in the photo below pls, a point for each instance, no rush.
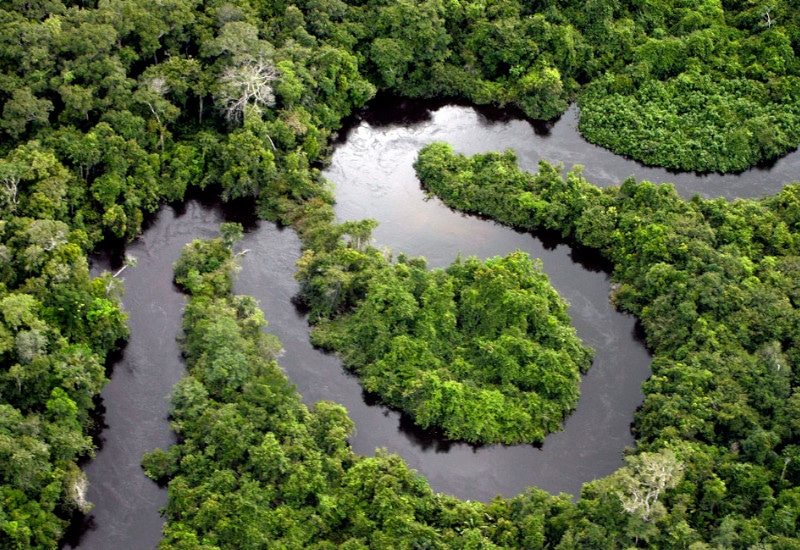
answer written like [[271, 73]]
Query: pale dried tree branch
[[249, 83]]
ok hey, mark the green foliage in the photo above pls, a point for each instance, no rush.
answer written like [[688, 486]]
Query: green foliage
[[483, 350], [109, 109], [56, 329], [255, 467], [714, 284], [205, 267], [699, 89], [545, 200], [706, 87], [692, 121]]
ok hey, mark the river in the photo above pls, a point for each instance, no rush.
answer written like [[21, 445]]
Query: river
[[371, 170]]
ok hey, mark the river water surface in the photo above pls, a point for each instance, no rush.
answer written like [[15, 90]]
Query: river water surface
[[371, 170]]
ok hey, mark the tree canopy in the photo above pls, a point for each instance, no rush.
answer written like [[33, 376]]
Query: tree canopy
[[715, 286], [482, 350], [110, 109]]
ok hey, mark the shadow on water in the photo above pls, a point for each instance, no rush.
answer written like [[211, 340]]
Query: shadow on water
[[638, 334], [80, 524], [98, 419], [590, 259], [490, 115], [426, 440], [388, 110]]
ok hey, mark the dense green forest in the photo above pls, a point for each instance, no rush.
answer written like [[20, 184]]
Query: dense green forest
[[717, 287], [256, 469], [483, 350], [109, 109]]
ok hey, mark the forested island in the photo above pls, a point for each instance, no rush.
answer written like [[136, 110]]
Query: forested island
[[483, 350], [108, 110]]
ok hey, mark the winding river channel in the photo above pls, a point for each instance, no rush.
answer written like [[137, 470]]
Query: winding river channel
[[373, 176]]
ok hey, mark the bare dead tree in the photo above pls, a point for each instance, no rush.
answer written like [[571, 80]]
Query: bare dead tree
[[644, 479], [249, 83], [154, 100], [159, 85], [10, 176], [767, 17], [11, 185]]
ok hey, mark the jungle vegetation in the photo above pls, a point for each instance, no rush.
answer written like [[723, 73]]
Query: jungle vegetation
[[255, 468], [485, 351], [715, 284], [109, 109]]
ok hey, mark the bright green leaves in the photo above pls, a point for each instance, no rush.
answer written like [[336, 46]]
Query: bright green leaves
[[391, 59], [206, 267], [224, 364], [715, 286], [34, 183], [505, 295], [409, 40], [24, 108], [726, 130], [484, 351], [545, 200], [248, 163], [254, 466], [20, 310], [521, 62], [540, 93], [707, 98], [223, 340]]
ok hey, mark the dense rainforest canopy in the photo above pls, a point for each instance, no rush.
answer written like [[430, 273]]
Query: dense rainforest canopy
[[483, 350], [108, 109]]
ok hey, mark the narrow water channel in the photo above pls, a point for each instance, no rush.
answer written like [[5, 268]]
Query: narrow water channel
[[135, 405], [371, 169]]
